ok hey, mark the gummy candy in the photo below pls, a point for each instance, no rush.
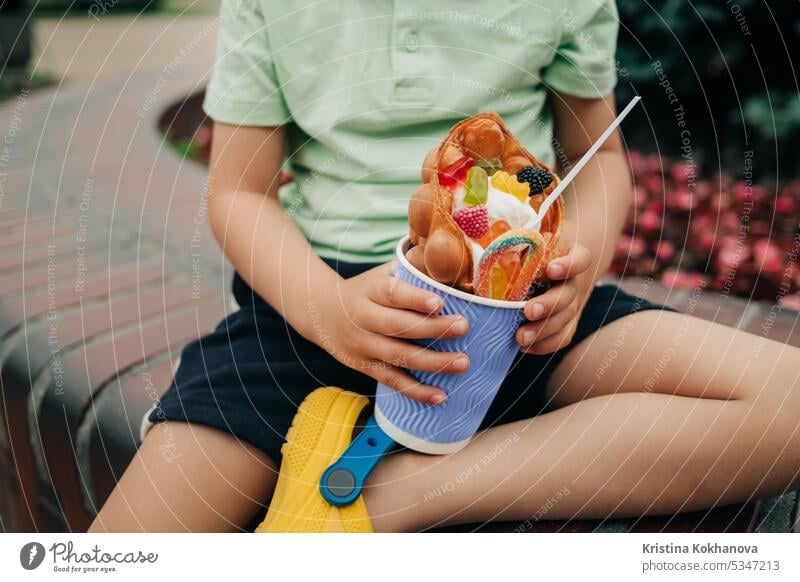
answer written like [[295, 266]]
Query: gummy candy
[[507, 183], [495, 229], [498, 282], [511, 262], [473, 221], [476, 186], [455, 173], [538, 178], [509, 265]]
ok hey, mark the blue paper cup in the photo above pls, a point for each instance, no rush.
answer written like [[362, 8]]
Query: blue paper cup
[[489, 344]]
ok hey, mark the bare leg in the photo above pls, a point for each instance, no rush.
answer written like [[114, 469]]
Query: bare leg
[[716, 424], [189, 478]]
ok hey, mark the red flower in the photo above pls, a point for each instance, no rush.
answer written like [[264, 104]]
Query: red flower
[[785, 204], [653, 184], [731, 229], [631, 247], [639, 197], [649, 221], [731, 221], [732, 255], [742, 192], [664, 250], [656, 206], [705, 241], [719, 201], [682, 171], [637, 247], [623, 244], [767, 256], [681, 199]]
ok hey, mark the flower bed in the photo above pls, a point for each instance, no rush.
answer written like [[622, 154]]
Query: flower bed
[[733, 236]]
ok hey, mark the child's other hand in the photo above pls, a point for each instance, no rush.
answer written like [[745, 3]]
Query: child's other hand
[[555, 313], [365, 322]]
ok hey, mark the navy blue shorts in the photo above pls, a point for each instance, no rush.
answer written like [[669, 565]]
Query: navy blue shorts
[[250, 374]]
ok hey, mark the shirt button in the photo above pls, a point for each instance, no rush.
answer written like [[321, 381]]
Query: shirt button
[[412, 41]]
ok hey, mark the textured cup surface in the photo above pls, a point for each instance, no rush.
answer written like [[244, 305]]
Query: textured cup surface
[[491, 347]]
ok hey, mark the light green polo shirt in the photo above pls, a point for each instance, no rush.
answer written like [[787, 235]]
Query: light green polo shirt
[[368, 87]]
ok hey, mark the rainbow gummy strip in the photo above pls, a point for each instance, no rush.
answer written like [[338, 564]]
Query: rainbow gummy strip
[[501, 259]]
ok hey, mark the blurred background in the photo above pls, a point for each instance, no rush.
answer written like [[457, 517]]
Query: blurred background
[[107, 267]]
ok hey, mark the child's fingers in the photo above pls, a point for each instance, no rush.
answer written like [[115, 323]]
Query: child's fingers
[[405, 354], [551, 302], [531, 333], [402, 323], [576, 261], [401, 381], [552, 343], [392, 292]]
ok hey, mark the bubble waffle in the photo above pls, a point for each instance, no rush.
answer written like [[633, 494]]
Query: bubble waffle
[[481, 169]]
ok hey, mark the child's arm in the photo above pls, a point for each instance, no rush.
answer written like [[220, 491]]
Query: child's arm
[[361, 321], [597, 204]]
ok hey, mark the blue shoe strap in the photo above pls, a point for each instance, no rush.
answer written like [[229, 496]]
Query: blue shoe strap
[[342, 482]]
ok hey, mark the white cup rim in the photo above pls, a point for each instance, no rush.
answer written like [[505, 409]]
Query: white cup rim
[[402, 246]]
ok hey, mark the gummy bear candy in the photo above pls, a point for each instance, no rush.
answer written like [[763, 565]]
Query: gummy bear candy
[[476, 186], [509, 184], [511, 263], [499, 282]]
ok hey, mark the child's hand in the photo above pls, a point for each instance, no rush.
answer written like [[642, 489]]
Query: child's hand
[[364, 323], [555, 314]]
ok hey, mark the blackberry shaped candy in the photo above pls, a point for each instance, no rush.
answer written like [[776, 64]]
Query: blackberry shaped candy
[[538, 179]]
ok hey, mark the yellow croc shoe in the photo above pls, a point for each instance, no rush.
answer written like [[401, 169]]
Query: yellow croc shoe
[[321, 431]]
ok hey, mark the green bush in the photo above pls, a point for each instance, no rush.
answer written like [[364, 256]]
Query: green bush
[[729, 65], [94, 8], [14, 81]]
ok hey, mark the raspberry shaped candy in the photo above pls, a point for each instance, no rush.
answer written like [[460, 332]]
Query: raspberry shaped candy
[[538, 179], [473, 221]]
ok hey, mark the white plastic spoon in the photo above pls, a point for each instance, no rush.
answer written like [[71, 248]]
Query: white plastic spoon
[[553, 196]]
